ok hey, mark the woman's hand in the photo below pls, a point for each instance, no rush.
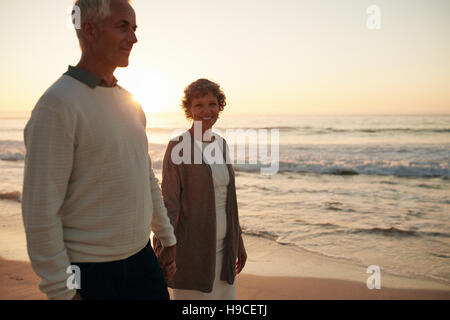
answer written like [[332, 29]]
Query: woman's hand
[[169, 270], [241, 256]]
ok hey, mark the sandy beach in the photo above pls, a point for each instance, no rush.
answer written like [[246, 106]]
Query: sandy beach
[[273, 271]]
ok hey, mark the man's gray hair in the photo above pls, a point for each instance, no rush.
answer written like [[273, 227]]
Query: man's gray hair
[[90, 11], [93, 10]]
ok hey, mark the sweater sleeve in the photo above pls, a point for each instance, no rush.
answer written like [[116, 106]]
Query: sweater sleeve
[[48, 164], [171, 190], [160, 224]]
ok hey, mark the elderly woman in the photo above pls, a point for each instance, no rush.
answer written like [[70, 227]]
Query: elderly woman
[[202, 206]]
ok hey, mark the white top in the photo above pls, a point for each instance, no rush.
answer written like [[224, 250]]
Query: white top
[[221, 178], [89, 192]]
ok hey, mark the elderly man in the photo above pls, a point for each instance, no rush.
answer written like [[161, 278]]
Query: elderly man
[[90, 196]]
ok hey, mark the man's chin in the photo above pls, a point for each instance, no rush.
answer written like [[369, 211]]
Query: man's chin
[[123, 64]]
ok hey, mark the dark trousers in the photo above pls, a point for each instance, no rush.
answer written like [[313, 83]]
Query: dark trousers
[[137, 277]]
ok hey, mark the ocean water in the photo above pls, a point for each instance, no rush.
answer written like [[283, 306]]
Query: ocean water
[[372, 190]]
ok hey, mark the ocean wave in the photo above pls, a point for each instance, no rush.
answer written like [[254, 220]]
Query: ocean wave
[[260, 187], [285, 129], [280, 128], [325, 225], [440, 255], [12, 150], [276, 238], [13, 195], [381, 130], [11, 129], [388, 182], [412, 130], [12, 156], [336, 206], [428, 186], [415, 213], [261, 234], [328, 130], [366, 169], [315, 248], [321, 130], [396, 232], [335, 230]]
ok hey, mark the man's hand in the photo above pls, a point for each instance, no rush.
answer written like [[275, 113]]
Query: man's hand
[[167, 258]]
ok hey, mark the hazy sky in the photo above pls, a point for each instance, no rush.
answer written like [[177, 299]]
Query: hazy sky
[[270, 56]]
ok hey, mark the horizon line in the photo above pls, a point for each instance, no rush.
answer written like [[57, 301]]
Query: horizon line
[[21, 113]]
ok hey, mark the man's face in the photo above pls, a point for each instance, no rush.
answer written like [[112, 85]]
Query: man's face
[[116, 35]]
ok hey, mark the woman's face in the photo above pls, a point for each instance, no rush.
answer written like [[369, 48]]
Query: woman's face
[[206, 110]]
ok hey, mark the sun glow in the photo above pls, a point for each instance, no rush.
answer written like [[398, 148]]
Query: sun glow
[[153, 91]]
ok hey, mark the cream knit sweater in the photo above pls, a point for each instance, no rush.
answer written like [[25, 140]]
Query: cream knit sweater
[[89, 192]]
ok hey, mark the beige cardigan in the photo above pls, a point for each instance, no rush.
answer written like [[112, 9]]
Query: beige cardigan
[[188, 194]]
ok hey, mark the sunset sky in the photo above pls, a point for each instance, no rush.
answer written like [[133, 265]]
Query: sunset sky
[[270, 56]]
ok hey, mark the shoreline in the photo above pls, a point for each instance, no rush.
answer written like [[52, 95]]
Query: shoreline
[[19, 282], [272, 272], [253, 287], [268, 256]]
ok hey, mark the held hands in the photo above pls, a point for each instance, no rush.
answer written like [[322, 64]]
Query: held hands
[[166, 258]]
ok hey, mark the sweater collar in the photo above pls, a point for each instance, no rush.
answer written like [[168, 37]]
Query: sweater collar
[[87, 78]]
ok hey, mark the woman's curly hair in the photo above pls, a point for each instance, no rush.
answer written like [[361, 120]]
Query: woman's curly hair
[[200, 88]]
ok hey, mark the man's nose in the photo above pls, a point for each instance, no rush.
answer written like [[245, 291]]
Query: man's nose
[[132, 37]]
